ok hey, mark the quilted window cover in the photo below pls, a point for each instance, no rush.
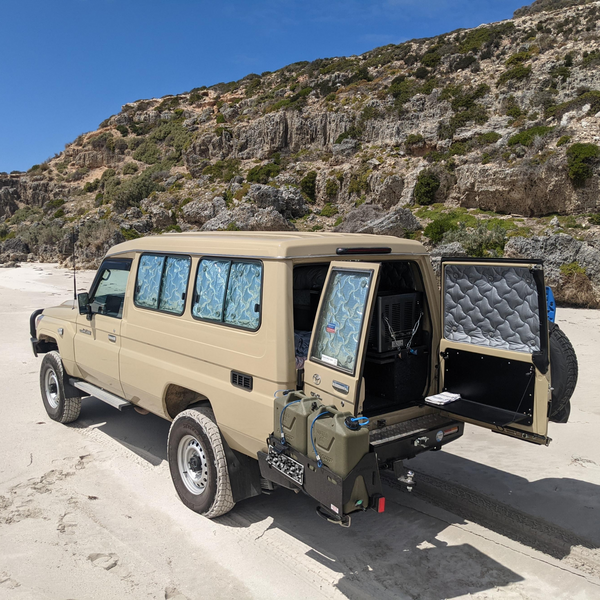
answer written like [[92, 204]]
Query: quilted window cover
[[339, 325], [210, 289], [148, 281], [174, 284], [492, 306], [229, 292]]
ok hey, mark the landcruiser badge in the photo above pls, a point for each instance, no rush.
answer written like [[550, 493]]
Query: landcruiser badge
[[439, 436]]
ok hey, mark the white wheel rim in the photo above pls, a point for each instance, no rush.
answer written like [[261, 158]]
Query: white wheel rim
[[191, 461], [51, 388]]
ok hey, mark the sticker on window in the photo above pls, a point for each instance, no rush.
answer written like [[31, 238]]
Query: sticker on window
[[330, 327], [329, 360]]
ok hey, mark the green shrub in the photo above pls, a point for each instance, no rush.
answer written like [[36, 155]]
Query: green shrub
[[123, 130], [232, 227], [130, 233], [526, 137], [220, 118], [104, 141], [517, 73], [130, 168], [581, 157], [512, 108], [78, 175], [591, 97], [130, 192], [518, 58], [594, 219], [422, 73], [91, 186], [59, 213], [309, 185], [573, 268], [481, 242], [465, 108], [223, 170], [148, 152], [565, 139], [295, 102], [369, 112], [331, 188], [27, 213], [329, 210], [107, 174], [54, 204], [262, 173], [414, 139], [359, 182], [431, 59], [490, 137], [352, 132], [428, 183], [438, 227], [476, 38]]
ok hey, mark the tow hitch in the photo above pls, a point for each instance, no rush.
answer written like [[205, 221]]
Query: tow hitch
[[405, 476]]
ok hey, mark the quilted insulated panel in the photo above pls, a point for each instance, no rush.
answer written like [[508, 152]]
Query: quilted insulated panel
[[492, 306], [339, 325]]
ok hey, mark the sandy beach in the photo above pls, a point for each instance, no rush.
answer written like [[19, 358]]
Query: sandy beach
[[88, 510]]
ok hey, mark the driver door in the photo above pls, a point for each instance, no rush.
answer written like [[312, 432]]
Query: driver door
[[333, 370], [98, 336]]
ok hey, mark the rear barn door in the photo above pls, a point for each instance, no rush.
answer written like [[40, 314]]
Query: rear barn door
[[494, 346], [333, 370]]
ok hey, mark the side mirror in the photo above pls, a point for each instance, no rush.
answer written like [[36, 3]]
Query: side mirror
[[83, 300]]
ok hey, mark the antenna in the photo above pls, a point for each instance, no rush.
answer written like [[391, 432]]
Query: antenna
[[74, 275]]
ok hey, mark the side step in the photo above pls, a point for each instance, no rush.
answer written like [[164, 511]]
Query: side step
[[99, 393]]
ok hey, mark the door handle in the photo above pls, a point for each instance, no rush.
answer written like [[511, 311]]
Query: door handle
[[340, 387], [112, 338]]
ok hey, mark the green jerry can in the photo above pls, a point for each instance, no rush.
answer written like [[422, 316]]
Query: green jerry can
[[339, 447], [340, 444], [296, 408]]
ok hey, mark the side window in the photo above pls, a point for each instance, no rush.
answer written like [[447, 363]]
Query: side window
[[242, 302], [162, 282], [109, 295], [174, 284], [229, 292], [148, 281], [337, 334], [211, 284]]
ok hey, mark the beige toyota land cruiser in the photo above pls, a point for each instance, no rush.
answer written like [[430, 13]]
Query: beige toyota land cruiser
[[307, 361]]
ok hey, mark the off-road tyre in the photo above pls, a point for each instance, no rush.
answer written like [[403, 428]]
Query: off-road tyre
[[563, 373], [203, 486], [52, 385]]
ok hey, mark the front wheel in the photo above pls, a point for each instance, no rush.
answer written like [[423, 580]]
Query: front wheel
[[198, 463], [57, 405]]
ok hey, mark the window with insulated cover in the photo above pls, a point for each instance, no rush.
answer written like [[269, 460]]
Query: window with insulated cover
[[229, 292]]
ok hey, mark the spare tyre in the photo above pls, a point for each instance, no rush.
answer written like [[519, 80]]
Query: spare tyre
[[563, 373]]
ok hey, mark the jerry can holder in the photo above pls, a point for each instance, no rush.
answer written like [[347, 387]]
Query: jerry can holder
[[330, 490]]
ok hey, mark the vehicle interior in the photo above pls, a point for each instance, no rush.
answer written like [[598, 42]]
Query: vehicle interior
[[396, 369]]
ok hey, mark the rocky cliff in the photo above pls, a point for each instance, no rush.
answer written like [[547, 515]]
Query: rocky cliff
[[472, 140]]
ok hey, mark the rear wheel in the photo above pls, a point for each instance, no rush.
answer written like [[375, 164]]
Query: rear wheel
[[198, 463], [564, 371], [58, 406]]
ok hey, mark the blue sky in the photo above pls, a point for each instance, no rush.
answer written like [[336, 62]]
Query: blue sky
[[69, 64]]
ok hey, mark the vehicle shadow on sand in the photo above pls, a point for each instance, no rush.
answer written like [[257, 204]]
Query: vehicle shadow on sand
[[403, 553], [144, 435]]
